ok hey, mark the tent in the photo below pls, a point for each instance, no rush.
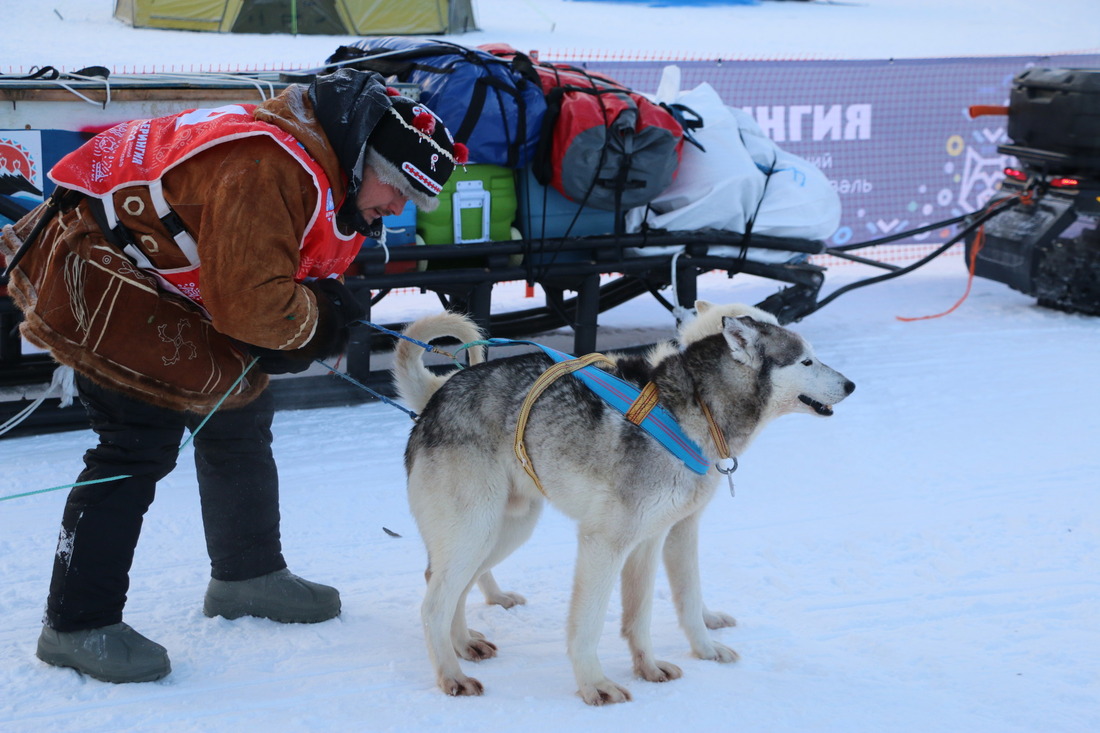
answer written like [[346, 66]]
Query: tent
[[328, 17]]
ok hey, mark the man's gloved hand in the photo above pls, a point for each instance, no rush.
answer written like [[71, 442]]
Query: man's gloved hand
[[348, 308], [337, 309]]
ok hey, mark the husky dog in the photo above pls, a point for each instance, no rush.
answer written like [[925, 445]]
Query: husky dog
[[681, 546], [475, 503]]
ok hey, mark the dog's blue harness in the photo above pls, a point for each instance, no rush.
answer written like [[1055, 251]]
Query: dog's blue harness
[[622, 395]]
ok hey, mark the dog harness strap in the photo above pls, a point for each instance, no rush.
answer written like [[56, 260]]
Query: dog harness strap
[[727, 464], [716, 433], [643, 405], [621, 395], [659, 423], [547, 378]]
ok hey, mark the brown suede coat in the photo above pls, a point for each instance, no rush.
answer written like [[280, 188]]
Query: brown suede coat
[[247, 203]]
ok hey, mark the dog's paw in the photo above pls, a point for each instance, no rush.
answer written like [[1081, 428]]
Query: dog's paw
[[476, 650], [505, 599], [658, 671], [718, 653], [461, 686], [604, 692], [718, 620]]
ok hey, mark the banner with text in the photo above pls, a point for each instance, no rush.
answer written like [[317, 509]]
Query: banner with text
[[894, 137]]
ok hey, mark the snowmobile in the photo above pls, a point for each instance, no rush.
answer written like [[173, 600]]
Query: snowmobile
[[1048, 247]]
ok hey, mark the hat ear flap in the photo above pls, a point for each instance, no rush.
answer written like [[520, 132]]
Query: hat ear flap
[[386, 172]]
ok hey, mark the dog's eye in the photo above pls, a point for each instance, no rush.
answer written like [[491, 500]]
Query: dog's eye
[[807, 362]]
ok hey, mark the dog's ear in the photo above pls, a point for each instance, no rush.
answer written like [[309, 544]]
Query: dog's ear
[[741, 334], [702, 306]]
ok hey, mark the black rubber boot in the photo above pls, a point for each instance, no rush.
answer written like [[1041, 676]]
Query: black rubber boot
[[114, 653], [280, 596]]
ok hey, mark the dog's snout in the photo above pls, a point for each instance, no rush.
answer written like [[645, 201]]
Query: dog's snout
[[849, 386]]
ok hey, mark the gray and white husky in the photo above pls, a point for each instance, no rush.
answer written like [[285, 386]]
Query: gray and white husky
[[474, 503]]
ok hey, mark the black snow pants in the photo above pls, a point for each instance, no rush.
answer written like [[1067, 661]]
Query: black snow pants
[[238, 491]]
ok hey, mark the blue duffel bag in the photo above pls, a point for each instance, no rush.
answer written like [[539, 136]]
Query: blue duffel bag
[[495, 106]]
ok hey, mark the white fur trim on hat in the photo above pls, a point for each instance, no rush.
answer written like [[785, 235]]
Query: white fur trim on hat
[[388, 173]]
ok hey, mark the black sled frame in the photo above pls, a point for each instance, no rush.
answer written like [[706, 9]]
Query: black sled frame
[[463, 276]]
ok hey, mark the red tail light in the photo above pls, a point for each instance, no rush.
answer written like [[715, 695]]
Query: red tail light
[[1064, 183], [1015, 174]]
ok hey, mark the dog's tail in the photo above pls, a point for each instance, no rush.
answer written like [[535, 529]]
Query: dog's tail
[[414, 381]]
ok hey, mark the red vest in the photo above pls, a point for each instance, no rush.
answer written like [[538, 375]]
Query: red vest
[[140, 152]]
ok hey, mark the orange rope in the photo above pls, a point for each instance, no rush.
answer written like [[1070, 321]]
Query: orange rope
[[979, 241]]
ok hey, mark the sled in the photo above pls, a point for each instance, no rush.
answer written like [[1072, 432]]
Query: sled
[[1040, 237]]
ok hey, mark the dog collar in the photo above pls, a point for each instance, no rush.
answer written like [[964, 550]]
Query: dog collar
[[727, 463]]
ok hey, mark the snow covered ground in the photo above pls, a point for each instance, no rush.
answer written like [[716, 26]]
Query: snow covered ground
[[925, 560]]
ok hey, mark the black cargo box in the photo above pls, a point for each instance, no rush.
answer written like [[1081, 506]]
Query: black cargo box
[[1056, 110]]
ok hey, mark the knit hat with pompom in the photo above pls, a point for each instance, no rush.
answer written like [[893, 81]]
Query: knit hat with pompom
[[411, 149]]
